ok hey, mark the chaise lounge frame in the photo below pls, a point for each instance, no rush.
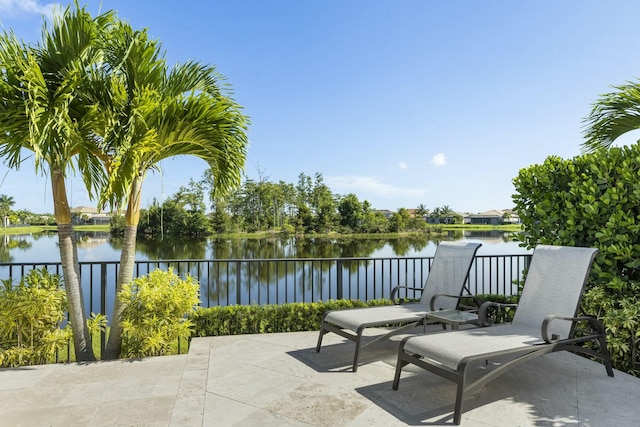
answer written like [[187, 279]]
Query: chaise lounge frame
[[442, 290], [544, 322]]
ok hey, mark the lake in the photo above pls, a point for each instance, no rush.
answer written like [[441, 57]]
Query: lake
[[376, 264], [100, 246]]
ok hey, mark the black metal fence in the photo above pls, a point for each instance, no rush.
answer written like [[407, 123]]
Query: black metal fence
[[275, 281]]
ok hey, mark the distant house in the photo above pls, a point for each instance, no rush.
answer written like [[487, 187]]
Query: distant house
[[495, 217], [511, 216], [89, 215], [451, 218]]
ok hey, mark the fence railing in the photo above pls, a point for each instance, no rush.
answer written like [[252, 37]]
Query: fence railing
[[276, 281]]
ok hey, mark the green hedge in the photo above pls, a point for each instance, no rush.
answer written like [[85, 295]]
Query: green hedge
[[291, 317], [593, 200], [257, 319]]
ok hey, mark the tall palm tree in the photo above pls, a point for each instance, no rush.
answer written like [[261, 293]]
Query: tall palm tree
[[42, 110], [6, 202], [612, 115], [150, 113], [422, 211]]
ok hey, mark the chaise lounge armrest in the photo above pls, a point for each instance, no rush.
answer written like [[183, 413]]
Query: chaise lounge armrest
[[475, 299], [596, 328], [483, 316], [395, 291]]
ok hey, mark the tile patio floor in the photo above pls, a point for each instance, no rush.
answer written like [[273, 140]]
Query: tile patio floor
[[279, 380]]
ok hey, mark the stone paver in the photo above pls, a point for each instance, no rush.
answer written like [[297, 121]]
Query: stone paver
[[279, 380]]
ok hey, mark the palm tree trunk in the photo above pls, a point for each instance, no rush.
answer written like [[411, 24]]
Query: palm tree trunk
[[71, 270], [127, 264]]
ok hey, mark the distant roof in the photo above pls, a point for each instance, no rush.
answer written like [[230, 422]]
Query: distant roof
[[84, 209], [493, 212]]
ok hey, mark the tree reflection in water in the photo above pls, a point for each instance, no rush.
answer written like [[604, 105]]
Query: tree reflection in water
[[231, 281], [10, 243]]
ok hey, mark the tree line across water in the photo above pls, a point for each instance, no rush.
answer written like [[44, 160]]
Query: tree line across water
[[307, 207], [264, 206]]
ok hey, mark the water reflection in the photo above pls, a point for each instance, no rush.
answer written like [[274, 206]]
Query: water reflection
[[165, 249], [10, 244], [489, 236], [100, 246], [242, 271]]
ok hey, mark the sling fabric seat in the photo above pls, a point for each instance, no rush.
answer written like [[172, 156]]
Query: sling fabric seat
[[544, 322], [442, 290]]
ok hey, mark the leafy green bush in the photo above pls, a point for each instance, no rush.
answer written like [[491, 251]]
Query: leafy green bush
[[498, 314], [593, 200], [155, 310], [30, 317], [293, 317], [256, 319]]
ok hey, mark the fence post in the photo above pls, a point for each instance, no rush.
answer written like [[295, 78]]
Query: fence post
[[339, 292], [238, 283], [103, 305]]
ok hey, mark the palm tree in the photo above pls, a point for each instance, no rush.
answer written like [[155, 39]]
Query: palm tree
[[422, 211], [42, 110], [150, 113], [613, 115], [6, 202]]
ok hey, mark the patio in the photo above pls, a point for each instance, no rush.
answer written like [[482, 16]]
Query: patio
[[279, 380]]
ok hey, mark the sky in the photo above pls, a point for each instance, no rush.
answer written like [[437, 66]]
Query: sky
[[400, 102]]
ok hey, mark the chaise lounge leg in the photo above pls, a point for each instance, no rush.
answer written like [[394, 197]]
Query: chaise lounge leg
[[356, 356], [457, 411], [322, 332], [606, 356], [401, 363]]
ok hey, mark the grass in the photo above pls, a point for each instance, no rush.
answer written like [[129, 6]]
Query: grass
[[432, 229], [483, 227], [30, 229]]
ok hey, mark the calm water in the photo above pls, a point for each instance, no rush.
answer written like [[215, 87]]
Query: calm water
[[261, 282], [101, 247]]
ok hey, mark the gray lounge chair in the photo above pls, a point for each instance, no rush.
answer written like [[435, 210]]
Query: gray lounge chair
[[445, 282], [544, 321]]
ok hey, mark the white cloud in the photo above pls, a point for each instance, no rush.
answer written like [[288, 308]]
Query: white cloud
[[23, 7], [439, 159], [367, 185], [403, 166]]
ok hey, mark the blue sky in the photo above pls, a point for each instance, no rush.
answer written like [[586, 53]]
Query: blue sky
[[399, 102]]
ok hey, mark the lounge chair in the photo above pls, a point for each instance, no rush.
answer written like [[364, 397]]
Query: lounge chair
[[445, 282], [544, 322]]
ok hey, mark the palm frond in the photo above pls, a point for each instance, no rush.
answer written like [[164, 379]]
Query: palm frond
[[613, 115]]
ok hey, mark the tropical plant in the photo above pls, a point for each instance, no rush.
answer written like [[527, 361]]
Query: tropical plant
[[422, 211], [613, 115], [43, 110], [6, 202], [30, 317], [154, 310], [149, 113]]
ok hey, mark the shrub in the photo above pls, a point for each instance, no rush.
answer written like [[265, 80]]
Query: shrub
[[593, 200], [155, 310], [31, 314], [497, 314], [294, 317], [256, 319]]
